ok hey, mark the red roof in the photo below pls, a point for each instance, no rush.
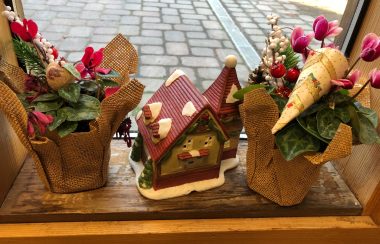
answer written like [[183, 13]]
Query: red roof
[[173, 99], [217, 93]]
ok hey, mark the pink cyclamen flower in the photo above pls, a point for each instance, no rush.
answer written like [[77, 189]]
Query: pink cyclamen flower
[[27, 31], [109, 91], [90, 62], [349, 82], [370, 47], [299, 41], [39, 119], [375, 78], [323, 29]]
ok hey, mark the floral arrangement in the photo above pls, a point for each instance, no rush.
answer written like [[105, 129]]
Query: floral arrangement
[[58, 95], [314, 100]]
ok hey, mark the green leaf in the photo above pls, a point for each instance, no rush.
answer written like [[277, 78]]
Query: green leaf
[[112, 74], [67, 128], [72, 70], [28, 56], [327, 123], [343, 114], [89, 85], [48, 105], [368, 133], [339, 98], [309, 123], [80, 114], [280, 101], [293, 141], [86, 101], [70, 93], [58, 120], [292, 58], [370, 114], [240, 93], [46, 97], [344, 92], [110, 83], [354, 119]]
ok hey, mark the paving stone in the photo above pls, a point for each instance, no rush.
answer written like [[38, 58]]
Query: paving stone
[[254, 31], [177, 36], [154, 9], [80, 31], [209, 73], [177, 48], [98, 45], [113, 6], [171, 19], [121, 12], [228, 44], [63, 21], [206, 84], [190, 72], [223, 53], [181, 6], [242, 72], [188, 27], [250, 25], [152, 49], [53, 36], [102, 38], [291, 21], [169, 11], [73, 15], [106, 30], [211, 24], [191, 21], [154, 4], [155, 26], [204, 11], [130, 20], [187, 11], [151, 84], [217, 34], [199, 61], [53, 28], [196, 34], [132, 6], [90, 15], [201, 4], [146, 13], [94, 6], [263, 8], [152, 71], [204, 43], [244, 19], [202, 51], [158, 60], [142, 40], [151, 19], [73, 44], [194, 16], [155, 33], [129, 30], [75, 56]]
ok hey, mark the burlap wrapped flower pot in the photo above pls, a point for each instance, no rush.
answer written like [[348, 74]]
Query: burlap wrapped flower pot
[[78, 161], [268, 173]]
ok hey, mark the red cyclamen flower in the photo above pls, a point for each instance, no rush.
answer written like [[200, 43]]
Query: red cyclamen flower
[[299, 41], [90, 62], [370, 47], [375, 78], [349, 82], [323, 29], [39, 119], [27, 31], [109, 91]]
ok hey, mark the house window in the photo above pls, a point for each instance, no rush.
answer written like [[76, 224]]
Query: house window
[[188, 144], [209, 141]]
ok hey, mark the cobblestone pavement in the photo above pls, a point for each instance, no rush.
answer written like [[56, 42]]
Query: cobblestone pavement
[[168, 34]]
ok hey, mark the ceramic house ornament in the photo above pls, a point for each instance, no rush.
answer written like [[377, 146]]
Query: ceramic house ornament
[[187, 140]]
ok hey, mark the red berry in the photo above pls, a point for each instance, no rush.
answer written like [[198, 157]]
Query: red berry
[[283, 91], [55, 52], [277, 70], [292, 75]]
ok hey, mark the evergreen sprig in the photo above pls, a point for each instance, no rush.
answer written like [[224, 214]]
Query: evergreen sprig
[[292, 58], [28, 56]]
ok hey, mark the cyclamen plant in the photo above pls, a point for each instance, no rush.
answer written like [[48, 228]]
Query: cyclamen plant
[[58, 95], [278, 73]]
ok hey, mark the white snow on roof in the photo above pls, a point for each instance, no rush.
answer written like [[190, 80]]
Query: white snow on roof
[[174, 76], [230, 98], [165, 126], [188, 109], [155, 108], [138, 115]]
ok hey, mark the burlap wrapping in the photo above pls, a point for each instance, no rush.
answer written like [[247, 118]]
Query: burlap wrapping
[[79, 161], [268, 173]]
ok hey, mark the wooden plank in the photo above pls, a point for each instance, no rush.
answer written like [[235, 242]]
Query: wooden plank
[[6, 46], [361, 170], [359, 229], [28, 201], [345, 21]]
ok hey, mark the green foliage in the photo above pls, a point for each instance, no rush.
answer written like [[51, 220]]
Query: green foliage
[[327, 123], [28, 56], [292, 58], [146, 177], [66, 128], [240, 93], [280, 101], [111, 74], [71, 69], [137, 148], [70, 92]]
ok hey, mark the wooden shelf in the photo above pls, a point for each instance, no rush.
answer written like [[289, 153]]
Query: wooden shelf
[[28, 201]]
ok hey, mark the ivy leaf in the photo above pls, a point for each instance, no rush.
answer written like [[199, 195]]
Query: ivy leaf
[[370, 114], [368, 133], [70, 92], [80, 114], [342, 113], [111, 74], [89, 85], [293, 141], [48, 105], [240, 93], [86, 101], [309, 123], [327, 123], [58, 120], [354, 119], [70, 68], [46, 97], [108, 82], [66, 128]]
